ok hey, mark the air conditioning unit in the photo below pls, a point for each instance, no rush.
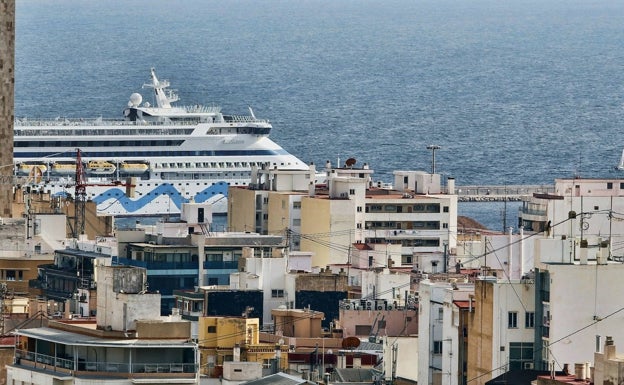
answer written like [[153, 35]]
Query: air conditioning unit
[[389, 307], [369, 305], [527, 365], [347, 306]]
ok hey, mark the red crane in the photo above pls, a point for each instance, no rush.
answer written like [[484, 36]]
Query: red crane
[[80, 194]]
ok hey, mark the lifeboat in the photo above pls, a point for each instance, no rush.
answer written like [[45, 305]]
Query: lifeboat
[[32, 169], [133, 168], [63, 168], [100, 167]]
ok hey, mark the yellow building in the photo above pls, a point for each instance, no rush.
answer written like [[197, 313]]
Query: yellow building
[[417, 216], [223, 339]]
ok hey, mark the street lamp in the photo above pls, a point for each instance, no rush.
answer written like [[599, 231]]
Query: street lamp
[[433, 148]]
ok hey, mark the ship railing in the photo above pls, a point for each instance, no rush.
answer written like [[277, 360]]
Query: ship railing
[[202, 109], [95, 122], [243, 119]]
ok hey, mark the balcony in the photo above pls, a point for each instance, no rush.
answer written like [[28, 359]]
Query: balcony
[[81, 367]]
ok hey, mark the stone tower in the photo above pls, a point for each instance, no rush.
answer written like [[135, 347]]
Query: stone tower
[[7, 105]]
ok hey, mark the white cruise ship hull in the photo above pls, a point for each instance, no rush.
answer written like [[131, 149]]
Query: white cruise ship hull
[[171, 164], [174, 155]]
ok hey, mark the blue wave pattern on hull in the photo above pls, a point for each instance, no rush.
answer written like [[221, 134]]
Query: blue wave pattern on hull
[[164, 189]]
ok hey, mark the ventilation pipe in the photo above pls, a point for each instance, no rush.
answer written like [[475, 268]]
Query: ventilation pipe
[[583, 252], [450, 184]]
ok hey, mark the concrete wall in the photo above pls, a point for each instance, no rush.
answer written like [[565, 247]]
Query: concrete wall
[[225, 332], [579, 296], [150, 329], [315, 219], [480, 332], [279, 213], [235, 372], [397, 322], [297, 322], [241, 209], [118, 310]]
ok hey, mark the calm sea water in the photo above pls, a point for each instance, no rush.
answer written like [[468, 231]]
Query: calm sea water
[[513, 91]]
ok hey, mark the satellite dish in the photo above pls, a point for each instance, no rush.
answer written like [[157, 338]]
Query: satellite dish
[[350, 343], [135, 100], [350, 162]]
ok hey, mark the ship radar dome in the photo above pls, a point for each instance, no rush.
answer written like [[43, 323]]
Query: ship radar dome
[[135, 99]]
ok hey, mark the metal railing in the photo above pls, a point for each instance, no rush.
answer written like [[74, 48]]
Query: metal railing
[[80, 364]]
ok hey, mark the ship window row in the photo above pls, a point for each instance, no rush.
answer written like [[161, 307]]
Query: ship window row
[[93, 131], [99, 143], [203, 175], [228, 165], [138, 153]]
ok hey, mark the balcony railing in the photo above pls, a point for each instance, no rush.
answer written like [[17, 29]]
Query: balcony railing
[[47, 362]]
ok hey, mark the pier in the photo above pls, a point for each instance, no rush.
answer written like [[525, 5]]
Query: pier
[[498, 193]]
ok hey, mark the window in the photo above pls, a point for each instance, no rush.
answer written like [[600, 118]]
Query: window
[[352, 191], [609, 185], [296, 205], [212, 329], [437, 347], [512, 320], [529, 320], [277, 293], [359, 209], [445, 225], [520, 355], [359, 225], [445, 209]]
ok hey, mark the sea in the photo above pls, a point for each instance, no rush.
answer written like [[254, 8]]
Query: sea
[[513, 92]]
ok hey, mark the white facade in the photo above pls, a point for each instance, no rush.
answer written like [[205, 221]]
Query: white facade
[[385, 285], [513, 323], [438, 331], [584, 302], [122, 299], [511, 253], [597, 203], [400, 358]]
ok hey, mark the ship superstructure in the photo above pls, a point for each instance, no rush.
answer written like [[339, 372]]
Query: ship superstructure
[[176, 154]]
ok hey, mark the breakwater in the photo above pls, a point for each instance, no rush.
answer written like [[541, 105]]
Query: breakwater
[[500, 193]]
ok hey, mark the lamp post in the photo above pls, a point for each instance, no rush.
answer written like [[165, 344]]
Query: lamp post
[[433, 148]]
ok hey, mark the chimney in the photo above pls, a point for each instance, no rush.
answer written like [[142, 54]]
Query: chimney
[[583, 256], [579, 372], [609, 349], [236, 353], [450, 184]]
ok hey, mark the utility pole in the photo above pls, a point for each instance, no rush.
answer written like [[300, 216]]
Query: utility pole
[[433, 148]]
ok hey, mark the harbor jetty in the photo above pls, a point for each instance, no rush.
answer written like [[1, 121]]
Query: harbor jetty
[[497, 193]]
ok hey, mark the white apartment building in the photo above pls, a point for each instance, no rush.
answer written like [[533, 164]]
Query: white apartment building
[[577, 287], [441, 335], [348, 209], [501, 327], [598, 204]]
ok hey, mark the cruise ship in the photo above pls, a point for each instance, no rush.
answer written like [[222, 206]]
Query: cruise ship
[[174, 154]]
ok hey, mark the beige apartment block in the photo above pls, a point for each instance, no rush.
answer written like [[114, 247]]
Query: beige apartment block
[[480, 334]]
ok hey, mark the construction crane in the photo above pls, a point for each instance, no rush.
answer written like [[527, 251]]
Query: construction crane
[[80, 194]]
